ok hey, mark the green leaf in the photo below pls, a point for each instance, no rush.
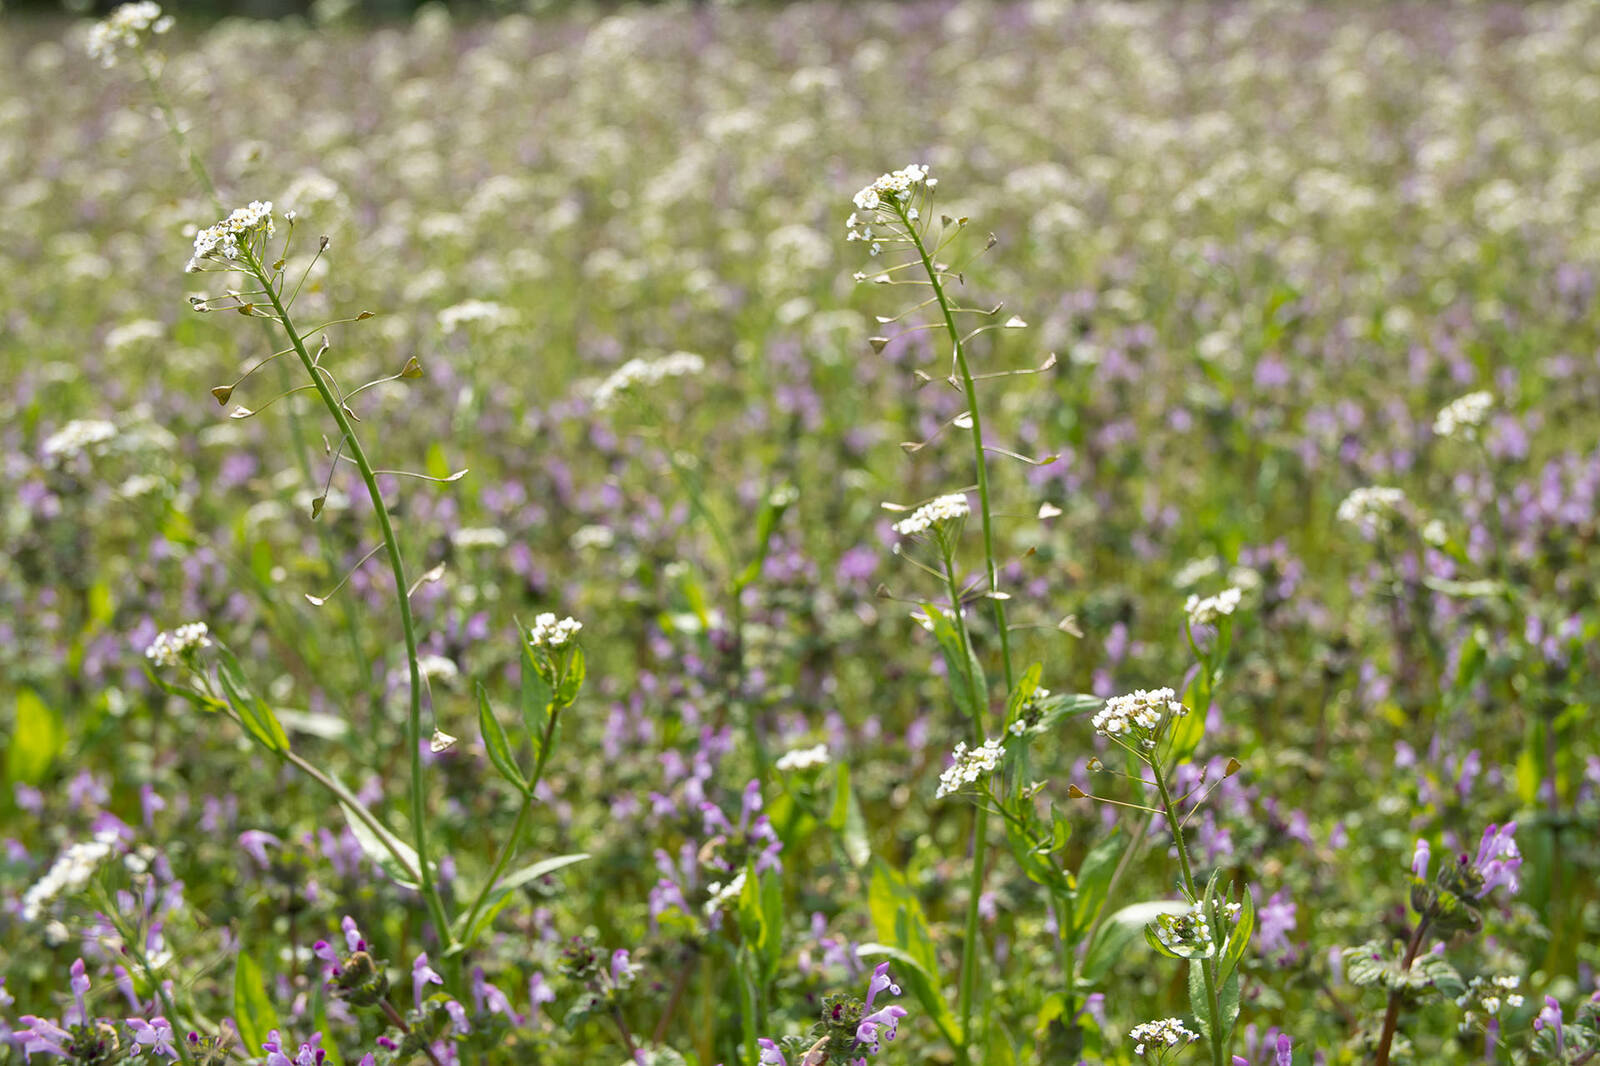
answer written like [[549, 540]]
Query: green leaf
[[923, 986], [1119, 930], [496, 743], [538, 700], [898, 918], [252, 1009], [403, 873], [1027, 685], [1239, 938], [37, 741], [500, 896], [572, 680], [1094, 877], [256, 717], [958, 661], [845, 819]]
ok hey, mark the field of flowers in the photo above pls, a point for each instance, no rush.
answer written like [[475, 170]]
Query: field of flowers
[[1123, 586]]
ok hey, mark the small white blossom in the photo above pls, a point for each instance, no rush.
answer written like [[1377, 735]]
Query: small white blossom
[[77, 437], [1160, 1036], [478, 537], [69, 873], [549, 633], [803, 759], [896, 186], [723, 894], [467, 312], [1372, 509], [1463, 416], [1206, 611], [220, 240], [636, 372], [951, 508], [438, 668], [968, 765], [125, 28], [1140, 713], [168, 649]]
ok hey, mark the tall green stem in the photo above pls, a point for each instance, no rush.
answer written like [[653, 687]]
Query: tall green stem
[[1208, 967], [419, 810]]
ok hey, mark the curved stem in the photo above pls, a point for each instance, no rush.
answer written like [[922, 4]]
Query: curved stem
[[419, 822], [1207, 966], [1391, 1016]]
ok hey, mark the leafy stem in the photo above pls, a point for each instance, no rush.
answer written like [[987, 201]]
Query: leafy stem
[[1208, 966]]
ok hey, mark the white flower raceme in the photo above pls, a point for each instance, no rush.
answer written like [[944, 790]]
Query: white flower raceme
[[168, 649], [636, 372], [547, 632], [969, 764], [1204, 611], [220, 240], [951, 508], [125, 28], [478, 537], [1186, 934], [438, 668], [1463, 416], [1138, 713], [803, 758], [76, 437], [895, 185], [484, 312], [1372, 509], [1160, 1036], [723, 894], [69, 873]]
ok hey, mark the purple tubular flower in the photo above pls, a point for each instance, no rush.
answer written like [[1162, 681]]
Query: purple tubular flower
[[352, 936], [880, 981], [1420, 858], [253, 842], [770, 1055], [1550, 1018], [423, 975], [155, 1035], [1498, 859], [1285, 1050], [887, 1019], [80, 985], [44, 1035]]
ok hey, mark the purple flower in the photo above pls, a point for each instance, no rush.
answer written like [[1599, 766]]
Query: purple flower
[[423, 975], [1550, 1018], [80, 985], [254, 843], [155, 1034], [42, 1034], [770, 1055], [1498, 859], [1419, 859]]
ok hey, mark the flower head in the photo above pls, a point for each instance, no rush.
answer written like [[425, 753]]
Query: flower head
[[1206, 611], [220, 240], [169, 649], [635, 374], [1152, 1040], [1462, 417], [549, 633], [125, 29], [937, 515], [1372, 509], [1139, 716], [968, 765]]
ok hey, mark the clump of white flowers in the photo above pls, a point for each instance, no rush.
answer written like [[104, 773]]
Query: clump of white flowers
[[488, 313], [723, 894], [636, 372], [547, 632], [478, 537], [169, 649], [1372, 509], [1462, 417], [934, 515], [1205, 611], [77, 437], [125, 28], [887, 202], [803, 759], [1159, 1037], [438, 668], [1187, 935], [968, 765], [69, 873], [220, 240], [1030, 717], [895, 186], [1138, 715], [1488, 996]]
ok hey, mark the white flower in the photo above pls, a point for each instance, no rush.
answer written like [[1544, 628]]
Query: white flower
[[636, 372], [1372, 509], [549, 633], [803, 759], [69, 873], [723, 894], [968, 765], [478, 537], [77, 437], [469, 311], [951, 508], [220, 240], [1163, 1034], [895, 186], [592, 536], [1463, 416], [1208, 610], [168, 649], [124, 28], [1139, 712], [438, 668]]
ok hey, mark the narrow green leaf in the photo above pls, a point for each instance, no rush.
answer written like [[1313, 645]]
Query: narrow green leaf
[[1120, 930], [1094, 877], [898, 918], [406, 873], [37, 741], [845, 818], [254, 714], [496, 743], [252, 1009]]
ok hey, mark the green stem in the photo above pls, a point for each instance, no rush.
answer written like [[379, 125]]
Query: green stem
[[752, 1045], [969, 387], [135, 947], [419, 826], [509, 845], [1207, 966]]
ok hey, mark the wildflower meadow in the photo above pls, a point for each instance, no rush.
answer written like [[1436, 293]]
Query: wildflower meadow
[[816, 534]]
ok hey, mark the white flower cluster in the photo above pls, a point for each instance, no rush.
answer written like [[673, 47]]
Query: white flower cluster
[[1163, 1034], [69, 873], [471, 537], [1029, 719], [969, 765], [636, 372], [168, 649], [1489, 995], [549, 633], [896, 186], [438, 668], [803, 759], [76, 437], [723, 894], [1188, 934], [1208, 610], [1463, 416], [220, 240], [487, 312], [123, 28], [1141, 711], [951, 508], [1372, 509]]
